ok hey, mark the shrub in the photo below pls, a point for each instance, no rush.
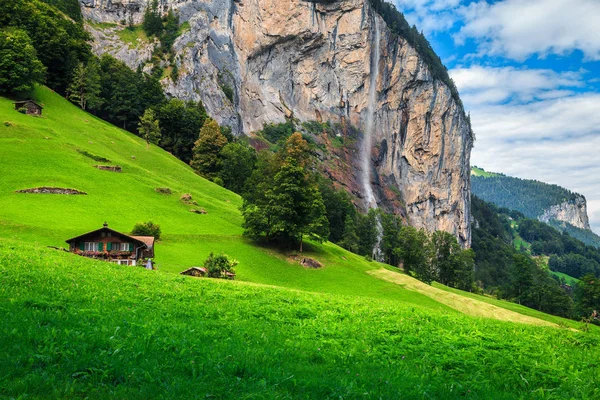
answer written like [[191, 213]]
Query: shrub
[[147, 229], [219, 266]]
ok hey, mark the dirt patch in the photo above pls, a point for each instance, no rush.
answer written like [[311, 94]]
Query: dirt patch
[[310, 263], [188, 199], [111, 168], [163, 190], [198, 211], [52, 190]]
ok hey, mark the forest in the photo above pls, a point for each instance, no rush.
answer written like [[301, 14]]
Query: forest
[[521, 275], [529, 197]]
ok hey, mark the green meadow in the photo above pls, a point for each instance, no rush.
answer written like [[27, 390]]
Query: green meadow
[[78, 328]]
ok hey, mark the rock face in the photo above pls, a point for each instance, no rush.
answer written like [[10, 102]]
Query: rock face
[[573, 212], [311, 60]]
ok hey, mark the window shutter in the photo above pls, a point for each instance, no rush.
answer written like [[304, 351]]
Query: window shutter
[[100, 246], [108, 246], [130, 246], [82, 246]]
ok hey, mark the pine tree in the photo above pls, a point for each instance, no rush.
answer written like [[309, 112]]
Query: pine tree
[[149, 127], [152, 23], [350, 239], [207, 149], [84, 89]]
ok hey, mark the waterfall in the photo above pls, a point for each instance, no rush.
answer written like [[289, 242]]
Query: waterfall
[[370, 201]]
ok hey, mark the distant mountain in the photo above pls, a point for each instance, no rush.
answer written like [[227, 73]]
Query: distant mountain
[[553, 204]]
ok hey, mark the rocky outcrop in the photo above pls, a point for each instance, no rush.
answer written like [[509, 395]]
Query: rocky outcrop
[[311, 60], [573, 212]]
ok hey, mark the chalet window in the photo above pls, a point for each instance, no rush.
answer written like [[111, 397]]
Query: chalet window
[[91, 246], [120, 247]]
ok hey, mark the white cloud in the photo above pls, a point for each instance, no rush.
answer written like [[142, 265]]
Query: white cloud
[[430, 15], [520, 28], [555, 141], [479, 84]]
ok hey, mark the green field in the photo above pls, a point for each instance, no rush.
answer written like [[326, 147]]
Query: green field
[[75, 328]]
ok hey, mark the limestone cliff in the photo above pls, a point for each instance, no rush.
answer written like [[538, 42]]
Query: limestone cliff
[[315, 60], [573, 212]]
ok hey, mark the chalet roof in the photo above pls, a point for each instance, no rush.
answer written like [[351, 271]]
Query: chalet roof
[[147, 240], [106, 229], [198, 269], [28, 101]]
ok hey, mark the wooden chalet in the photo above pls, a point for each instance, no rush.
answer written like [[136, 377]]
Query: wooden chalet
[[109, 245], [30, 107]]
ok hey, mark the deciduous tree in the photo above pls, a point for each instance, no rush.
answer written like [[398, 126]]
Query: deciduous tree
[[20, 69]]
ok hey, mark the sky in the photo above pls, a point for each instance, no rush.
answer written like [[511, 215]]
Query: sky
[[528, 72]]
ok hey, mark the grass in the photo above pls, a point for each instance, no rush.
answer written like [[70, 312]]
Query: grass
[[74, 328], [476, 171], [168, 336], [568, 278], [457, 300], [134, 36], [101, 25]]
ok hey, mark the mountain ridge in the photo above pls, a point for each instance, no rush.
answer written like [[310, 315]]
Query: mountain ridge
[[533, 198]]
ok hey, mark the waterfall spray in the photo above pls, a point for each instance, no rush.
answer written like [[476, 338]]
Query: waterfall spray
[[370, 201]]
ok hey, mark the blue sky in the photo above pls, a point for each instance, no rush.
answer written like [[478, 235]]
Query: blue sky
[[528, 71]]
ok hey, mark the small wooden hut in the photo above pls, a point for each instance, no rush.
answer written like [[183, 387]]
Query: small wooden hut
[[30, 107]]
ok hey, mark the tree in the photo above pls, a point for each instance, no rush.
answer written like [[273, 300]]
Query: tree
[[61, 43], [84, 89], [444, 250], [521, 280], [152, 23], [219, 266], [391, 226], [339, 206], [149, 128], [180, 123], [587, 295], [237, 164], [350, 239], [147, 229], [282, 199], [366, 229], [415, 252], [20, 69], [207, 148]]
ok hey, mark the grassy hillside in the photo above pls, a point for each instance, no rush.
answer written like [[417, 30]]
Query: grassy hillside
[[168, 336], [74, 327], [47, 152]]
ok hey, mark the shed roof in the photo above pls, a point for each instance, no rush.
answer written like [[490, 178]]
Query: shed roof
[[28, 101]]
